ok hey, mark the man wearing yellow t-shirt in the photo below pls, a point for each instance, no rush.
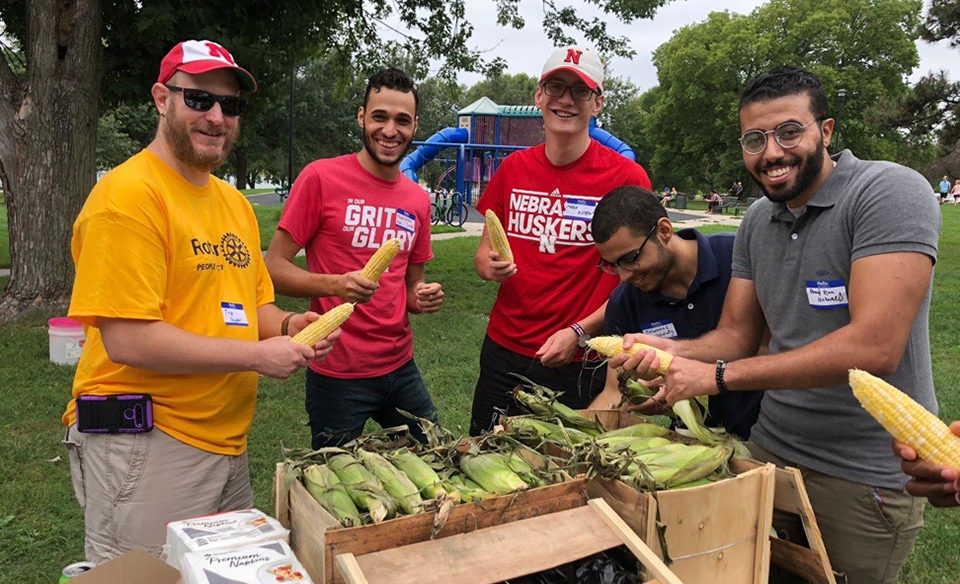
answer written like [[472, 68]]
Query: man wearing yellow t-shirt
[[177, 305]]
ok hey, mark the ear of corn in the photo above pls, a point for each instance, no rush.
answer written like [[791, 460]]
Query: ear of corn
[[636, 393], [612, 346], [524, 470], [394, 481], [543, 402], [323, 484], [532, 432], [418, 471], [363, 487], [323, 326], [636, 431], [906, 420], [636, 444], [679, 465], [380, 260], [498, 237], [491, 471]]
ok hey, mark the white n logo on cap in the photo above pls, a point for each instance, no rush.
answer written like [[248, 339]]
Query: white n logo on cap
[[573, 56], [205, 51]]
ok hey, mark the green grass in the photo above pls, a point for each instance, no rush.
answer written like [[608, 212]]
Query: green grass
[[442, 228], [267, 217], [248, 192], [41, 526]]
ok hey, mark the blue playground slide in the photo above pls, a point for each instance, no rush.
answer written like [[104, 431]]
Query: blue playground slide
[[424, 154]]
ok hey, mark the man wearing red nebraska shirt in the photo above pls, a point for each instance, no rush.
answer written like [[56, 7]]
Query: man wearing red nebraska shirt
[[545, 197], [341, 210]]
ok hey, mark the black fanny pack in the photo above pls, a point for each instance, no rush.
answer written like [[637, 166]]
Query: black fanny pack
[[115, 414]]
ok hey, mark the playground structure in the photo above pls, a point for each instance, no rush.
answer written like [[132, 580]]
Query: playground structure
[[486, 133]]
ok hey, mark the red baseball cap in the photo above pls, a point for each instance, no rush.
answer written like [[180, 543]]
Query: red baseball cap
[[580, 60], [201, 56]]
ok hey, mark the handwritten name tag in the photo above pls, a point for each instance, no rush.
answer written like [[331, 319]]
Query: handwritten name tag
[[233, 314], [826, 294], [406, 220], [579, 209], [660, 328]]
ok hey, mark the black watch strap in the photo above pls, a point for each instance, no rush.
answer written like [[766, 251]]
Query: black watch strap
[[721, 386]]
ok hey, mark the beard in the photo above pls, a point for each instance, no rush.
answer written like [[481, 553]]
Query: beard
[[370, 146], [178, 137], [809, 169], [652, 279]]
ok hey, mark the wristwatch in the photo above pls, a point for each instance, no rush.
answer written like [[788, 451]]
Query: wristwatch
[[721, 386], [582, 336]]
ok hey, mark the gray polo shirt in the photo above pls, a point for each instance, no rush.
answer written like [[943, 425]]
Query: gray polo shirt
[[800, 268]]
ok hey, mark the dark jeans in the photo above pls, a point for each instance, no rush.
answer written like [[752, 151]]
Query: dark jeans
[[339, 408], [579, 382]]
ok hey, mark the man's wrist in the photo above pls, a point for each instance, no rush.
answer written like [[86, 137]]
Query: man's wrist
[[578, 330], [721, 383], [285, 324]]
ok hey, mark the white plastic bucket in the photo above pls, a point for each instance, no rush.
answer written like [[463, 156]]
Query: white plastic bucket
[[66, 340]]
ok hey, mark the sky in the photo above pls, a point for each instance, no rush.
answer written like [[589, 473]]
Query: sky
[[526, 50]]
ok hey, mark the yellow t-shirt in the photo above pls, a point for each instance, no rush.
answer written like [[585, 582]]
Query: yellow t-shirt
[[148, 244]]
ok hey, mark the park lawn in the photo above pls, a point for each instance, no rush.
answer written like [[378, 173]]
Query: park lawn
[[41, 526], [248, 192]]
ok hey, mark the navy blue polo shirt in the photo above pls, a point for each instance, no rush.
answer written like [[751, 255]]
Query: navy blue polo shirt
[[631, 310]]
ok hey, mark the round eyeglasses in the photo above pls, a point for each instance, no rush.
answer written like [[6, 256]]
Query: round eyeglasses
[[628, 261], [787, 135]]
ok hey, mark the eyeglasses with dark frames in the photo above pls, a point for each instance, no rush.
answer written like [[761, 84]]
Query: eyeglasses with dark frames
[[577, 92], [202, 101], [787, 135], [628, 261]]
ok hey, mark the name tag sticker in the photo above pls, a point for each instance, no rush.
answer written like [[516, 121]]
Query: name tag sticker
[[406, 220], [661, 328], [826, 294], [579, 209], [233, 314]]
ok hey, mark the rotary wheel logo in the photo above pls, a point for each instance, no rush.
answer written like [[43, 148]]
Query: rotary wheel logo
[[234, 250]]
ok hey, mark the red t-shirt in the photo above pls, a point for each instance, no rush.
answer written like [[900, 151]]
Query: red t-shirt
[[546, 211], [341, 214]]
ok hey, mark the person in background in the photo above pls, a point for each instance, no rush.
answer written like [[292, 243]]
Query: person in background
[[341, 210], [176, 304], [545, 196], [944, 188], [714, 201]]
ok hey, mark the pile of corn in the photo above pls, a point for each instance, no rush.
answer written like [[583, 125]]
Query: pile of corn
[[370, 481], [645, 455]]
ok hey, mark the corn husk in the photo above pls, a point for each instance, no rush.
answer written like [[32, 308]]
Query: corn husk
[[636, 431], [680, 466], [491, 471], [422, 475], [323, 484], [394, 481], [533, 432], [364, 488], [635, 392], [542, 401], [640, 444], [524, 470]]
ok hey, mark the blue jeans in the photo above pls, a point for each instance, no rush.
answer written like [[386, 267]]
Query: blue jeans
[[339, 408]]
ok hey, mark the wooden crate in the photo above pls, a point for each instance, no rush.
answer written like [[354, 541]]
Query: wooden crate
[[790, 496], [492, 555], [317, 537]]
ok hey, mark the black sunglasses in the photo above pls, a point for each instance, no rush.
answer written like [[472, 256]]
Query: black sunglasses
[[202, 101], [629, 260]]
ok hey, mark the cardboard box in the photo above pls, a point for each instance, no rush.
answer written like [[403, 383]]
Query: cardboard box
[[134, 567]]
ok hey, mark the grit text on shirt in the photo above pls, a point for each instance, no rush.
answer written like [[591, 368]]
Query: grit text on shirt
[[372, 225]]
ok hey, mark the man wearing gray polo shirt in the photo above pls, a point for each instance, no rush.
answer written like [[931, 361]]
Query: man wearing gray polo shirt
[[838, 261]]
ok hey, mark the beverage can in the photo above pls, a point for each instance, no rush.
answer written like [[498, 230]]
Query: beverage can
[[74, 570]]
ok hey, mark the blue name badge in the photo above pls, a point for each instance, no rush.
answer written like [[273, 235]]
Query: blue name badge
[[827, 294], [406, 220], [581, 209], [660, 328], [233, 314]]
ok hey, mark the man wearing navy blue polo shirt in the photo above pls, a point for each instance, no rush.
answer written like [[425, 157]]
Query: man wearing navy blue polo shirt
[[673, 286]]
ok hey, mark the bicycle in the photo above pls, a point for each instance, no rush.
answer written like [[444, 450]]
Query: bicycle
[[449, 208]]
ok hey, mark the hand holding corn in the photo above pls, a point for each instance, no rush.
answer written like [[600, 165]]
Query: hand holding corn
[[498, 264], [360, 286], [940, 485], [323, 346]]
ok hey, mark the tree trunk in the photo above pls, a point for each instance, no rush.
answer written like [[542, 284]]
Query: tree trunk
[[240, 167], [48, 130]]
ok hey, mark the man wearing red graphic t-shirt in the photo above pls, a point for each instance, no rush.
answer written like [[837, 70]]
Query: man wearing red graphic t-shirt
[[553, 292], [340, 211]]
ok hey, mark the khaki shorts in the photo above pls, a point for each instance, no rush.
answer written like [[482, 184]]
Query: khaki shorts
[[868, 531], [131, 485]]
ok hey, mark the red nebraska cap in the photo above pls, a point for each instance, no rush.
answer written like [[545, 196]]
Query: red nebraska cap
[[200, 57], [580, 60]]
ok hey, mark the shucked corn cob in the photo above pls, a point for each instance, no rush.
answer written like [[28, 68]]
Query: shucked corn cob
[[380, 260], [613, 347], [498, 237], [906, 420], [323, 326]]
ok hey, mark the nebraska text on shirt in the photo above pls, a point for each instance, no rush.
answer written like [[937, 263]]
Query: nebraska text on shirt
[[541, 217]]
